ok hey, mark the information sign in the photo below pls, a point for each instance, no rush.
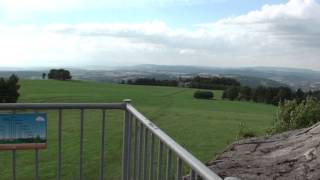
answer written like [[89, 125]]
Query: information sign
[[23, 131]]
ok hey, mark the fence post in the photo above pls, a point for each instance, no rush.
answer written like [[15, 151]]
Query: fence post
[[126, 141]]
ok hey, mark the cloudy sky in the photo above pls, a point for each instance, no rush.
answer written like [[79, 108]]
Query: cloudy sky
[[223, 33]]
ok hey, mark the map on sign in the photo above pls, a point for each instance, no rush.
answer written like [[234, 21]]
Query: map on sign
[[23, 131]]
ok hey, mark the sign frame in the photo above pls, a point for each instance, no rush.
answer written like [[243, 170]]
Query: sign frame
[[23, 131]]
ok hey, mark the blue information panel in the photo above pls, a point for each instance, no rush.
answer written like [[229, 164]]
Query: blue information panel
[[23, 131]]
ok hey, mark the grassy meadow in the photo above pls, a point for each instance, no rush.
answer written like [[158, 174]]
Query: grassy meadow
[[204, 127]]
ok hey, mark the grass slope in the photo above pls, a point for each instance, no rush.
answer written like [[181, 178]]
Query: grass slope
[[203, 127]]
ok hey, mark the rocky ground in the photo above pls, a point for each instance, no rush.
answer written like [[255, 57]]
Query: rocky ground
[[293, 155]]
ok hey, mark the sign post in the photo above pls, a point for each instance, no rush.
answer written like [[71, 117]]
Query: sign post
[[23, 131]]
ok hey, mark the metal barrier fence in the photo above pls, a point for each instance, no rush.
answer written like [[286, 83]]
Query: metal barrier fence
[[148, 153]]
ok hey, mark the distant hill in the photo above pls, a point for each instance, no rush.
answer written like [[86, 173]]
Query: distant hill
[[252, 76], [22, 74], [273, 76]]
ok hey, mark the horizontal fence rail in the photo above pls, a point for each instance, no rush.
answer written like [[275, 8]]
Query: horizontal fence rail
[[148, 153], [54, 106]]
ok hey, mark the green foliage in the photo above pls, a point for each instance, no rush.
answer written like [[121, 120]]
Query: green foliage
[[153, 82], [203, 95], [44, 75], [59, 74], [231, 93], [214, 83], [299, 95], [245, 132], [261, 94], [245, 93], [9, 89], [294, 115]]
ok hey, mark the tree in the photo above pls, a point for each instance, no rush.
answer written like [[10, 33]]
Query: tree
[[259, 94], [231, 93], [299, 95], [59, 74], [284, 93], [245, 93], [2, 90], [44, 75], [9, 89], [12, 89]]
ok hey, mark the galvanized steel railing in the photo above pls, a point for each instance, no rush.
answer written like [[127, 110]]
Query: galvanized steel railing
[[144, 146]]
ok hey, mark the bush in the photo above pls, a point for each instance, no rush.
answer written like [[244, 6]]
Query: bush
[[294, 115], [245, 133], [203, 95]]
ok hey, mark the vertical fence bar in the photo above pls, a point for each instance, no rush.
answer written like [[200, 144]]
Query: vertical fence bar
[[169, 159], [36, 164], [129, 146], [145, 154], [125, 146], [36, 168], [135, 156], [151, 157], [13, 156], [192, 174], [13, 164], [140, 151], [81, 144], [160, 149], [102, 136], [179, 169], [59, 144]]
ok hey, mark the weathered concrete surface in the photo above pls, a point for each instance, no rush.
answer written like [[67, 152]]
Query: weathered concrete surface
[[293, 155]]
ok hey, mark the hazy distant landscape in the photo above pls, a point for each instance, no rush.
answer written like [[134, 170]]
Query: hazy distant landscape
[[253, 76]]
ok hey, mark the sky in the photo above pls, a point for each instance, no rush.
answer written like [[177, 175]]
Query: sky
[[104, 33]]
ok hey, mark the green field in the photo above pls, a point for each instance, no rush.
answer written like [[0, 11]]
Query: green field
[[204, 127]]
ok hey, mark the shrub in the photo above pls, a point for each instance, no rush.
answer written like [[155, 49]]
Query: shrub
[[245, 132], [203, 95], [294, 115]]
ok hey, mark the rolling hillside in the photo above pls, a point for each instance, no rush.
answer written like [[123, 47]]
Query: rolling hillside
[[204, 127]]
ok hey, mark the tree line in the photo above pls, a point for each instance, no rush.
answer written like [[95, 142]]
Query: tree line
[[9, 89], [268, 95], [152, 82], [212, 83]]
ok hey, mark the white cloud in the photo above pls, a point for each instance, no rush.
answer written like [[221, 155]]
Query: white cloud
[[21, 8], [278, 35]]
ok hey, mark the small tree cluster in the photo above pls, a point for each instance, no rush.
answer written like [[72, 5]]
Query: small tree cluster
[[294, 115], [59, 74], [203, 95], [9, 89], [261, 94]]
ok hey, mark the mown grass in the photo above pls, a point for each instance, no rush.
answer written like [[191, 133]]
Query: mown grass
[[204, 127]]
